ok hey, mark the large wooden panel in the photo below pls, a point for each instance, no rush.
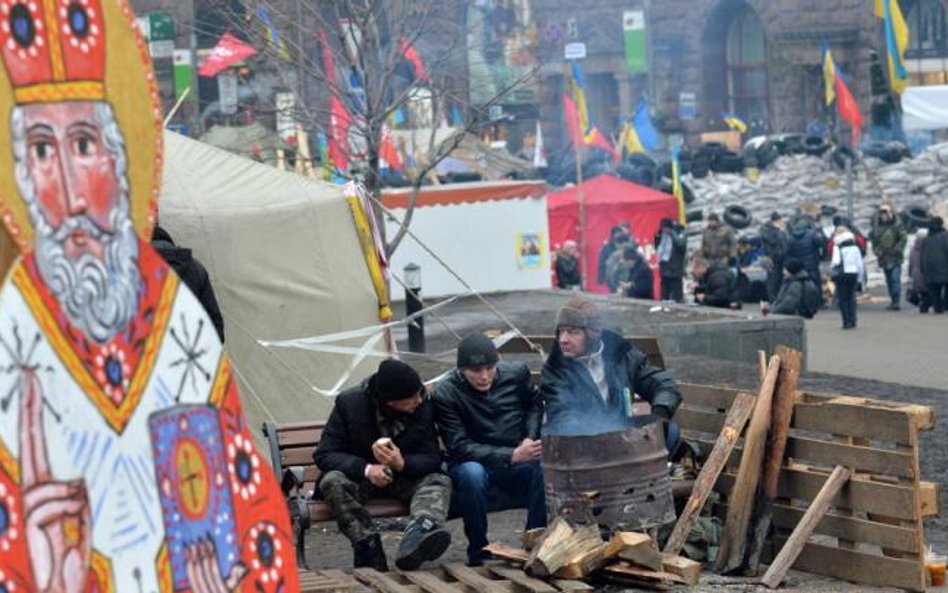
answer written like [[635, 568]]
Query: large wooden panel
[[857, 530], [858, 567], [855, 421], [706, 396]]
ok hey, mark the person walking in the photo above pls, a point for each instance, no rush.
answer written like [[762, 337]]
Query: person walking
[[671, 245], [918, 295], [888, 238], [847, 269], [935, 263]]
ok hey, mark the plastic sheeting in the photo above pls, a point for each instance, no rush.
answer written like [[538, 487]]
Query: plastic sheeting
[[284, 258], [925, 108]]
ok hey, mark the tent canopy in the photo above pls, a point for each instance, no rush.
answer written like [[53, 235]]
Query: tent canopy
[[925, 108], [285, 262], [608, 201]]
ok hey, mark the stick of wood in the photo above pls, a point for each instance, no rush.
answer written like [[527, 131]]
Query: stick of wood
[[791, 362], [761, 366], [788, 554], [737, 417], [741, 500], [559, 545]]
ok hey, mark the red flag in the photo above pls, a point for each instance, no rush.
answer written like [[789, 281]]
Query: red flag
[[848, 108], [339, 122], [599, 140], [228, 51], [572, 120], [388, 151], [595, 138], [329, 66], [406, 49]]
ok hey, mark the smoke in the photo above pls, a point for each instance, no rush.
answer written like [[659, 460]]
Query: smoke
[[584, 422]]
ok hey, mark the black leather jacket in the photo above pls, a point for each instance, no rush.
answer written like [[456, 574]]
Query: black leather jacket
[[569, 391], [353, 426], [487, 427]]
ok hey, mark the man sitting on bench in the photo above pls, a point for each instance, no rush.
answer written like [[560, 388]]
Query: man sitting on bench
[[380, 441], [489, 416]]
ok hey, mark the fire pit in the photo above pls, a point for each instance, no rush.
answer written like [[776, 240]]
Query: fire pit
[[618, 479]]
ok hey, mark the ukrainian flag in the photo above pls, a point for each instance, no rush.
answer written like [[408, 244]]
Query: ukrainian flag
[[273, 36], [629, 139], [677, 189], [734, 122], [579, 97], [829, 74], [896, 40]]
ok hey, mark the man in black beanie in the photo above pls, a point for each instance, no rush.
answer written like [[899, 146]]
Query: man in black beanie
[[489, 415], [380, 441]]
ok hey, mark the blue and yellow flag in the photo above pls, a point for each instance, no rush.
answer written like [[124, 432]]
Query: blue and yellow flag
[[642, 122], [629, 139], [273, 36], [896, 40], [579, 98], [829, 74], [734, 122], [677, 189]]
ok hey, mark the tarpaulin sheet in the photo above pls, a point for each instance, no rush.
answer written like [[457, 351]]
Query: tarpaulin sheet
[[925, 108], [609, 201]]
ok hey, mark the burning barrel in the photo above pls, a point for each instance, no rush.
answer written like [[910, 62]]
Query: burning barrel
[[618, 479]]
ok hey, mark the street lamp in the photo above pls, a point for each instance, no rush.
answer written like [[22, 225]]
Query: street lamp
[[416, 327]]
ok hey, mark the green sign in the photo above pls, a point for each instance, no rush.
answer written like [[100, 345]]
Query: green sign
[[633, 29], [160, 26], [183, 73]]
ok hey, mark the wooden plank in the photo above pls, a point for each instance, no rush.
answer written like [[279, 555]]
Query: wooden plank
[[798, 539], [296, 438], [313, 582], [686, 568], [430, 583], [859, 567], [707, 396], [346, 579], [850, 528], [638, 548], [703, 421], [508, 553], [791, 361], [520, 578], [859, 494], [297, 456], [471, 578], [923, 417], [854, 420], [571, 586], [741, 499], [704, 484], [862, 459], [380, 581], [930, 493], [626, 569]]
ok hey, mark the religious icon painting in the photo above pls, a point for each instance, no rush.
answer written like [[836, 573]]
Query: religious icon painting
[[125, 461]]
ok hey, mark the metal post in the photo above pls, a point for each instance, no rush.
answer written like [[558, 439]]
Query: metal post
[[416, 327]]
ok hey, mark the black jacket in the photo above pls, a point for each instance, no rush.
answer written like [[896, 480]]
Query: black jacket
[[567, 271], [675, 266], [718, 286], [798, 295], [569, 390], [807, 244], [774, 240], [604, 254], [352, 428], [487, 427], [935, 257], [192, 273], [641, 280]]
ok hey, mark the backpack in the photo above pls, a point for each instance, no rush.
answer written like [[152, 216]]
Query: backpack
[[811, 300]]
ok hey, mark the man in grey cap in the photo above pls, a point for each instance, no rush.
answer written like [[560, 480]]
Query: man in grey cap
[[489, 414], [592, 376]]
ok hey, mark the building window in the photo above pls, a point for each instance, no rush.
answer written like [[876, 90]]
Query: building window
[[747, 67], [927, 33]]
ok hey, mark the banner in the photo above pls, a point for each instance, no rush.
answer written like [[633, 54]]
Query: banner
[[228, 51], [183, 73], [633, 30]]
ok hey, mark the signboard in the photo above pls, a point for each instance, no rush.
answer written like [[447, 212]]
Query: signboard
[[495, 112], [183, 73], [163, 48], [687, 106], [575, 51], [227, 91], [633, 31], [285, 104], [160, 26]]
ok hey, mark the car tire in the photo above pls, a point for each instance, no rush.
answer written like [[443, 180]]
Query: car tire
[[737, 216]]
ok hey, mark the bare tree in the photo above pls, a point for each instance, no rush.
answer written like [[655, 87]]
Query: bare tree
[[358, 53]]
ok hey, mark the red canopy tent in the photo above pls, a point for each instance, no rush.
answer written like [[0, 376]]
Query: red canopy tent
[[609, 200]]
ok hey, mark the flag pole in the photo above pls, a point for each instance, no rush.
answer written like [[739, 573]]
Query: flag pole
[[581, 196]]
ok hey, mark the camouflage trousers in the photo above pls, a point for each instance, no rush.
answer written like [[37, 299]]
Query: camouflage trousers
[[430, 496]]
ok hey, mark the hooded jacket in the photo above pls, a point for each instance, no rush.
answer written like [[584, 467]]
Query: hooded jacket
[[935, 256], [192, 273], [353, 426], [798, 295], [806, 244], [569, 390], [846, 255], [487, 427]]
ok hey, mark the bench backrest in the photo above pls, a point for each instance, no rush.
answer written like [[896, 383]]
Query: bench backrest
[[293, 444]]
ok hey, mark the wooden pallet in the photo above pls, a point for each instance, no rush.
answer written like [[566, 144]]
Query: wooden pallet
[[494, 577], [329, 581], [874, 533]]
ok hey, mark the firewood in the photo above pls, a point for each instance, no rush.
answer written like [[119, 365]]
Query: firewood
[[686, 568], [530, 537], [587, 562], [741, 500], [560, 544], [505, 552], [643, 574], [637, 548]]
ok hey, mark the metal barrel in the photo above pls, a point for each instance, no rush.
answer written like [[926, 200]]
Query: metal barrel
[[617, 479]]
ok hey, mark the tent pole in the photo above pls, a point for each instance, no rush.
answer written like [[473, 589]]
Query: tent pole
[[583, 275]]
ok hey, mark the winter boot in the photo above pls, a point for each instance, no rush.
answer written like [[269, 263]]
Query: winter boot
[[423, 540], [368, 553]]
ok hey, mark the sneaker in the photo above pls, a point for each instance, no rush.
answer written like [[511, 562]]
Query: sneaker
[[424, 540]]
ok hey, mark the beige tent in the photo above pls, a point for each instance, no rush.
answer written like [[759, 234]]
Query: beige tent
[[285, 261]]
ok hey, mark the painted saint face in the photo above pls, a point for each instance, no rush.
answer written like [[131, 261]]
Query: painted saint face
[[73, 174]]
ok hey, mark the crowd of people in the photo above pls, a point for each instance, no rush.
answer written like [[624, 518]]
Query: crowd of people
[[381, 439], [806, 266]]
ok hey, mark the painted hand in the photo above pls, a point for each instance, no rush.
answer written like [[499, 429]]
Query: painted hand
[[204, 574]]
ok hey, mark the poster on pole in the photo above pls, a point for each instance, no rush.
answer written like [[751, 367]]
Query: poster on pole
[[227, 91], [633, 32]]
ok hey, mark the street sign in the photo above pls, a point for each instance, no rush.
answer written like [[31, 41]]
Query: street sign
[[227, 91], [575, 51], [495, 112], [163, 48], [687, 106], [160, 26]]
